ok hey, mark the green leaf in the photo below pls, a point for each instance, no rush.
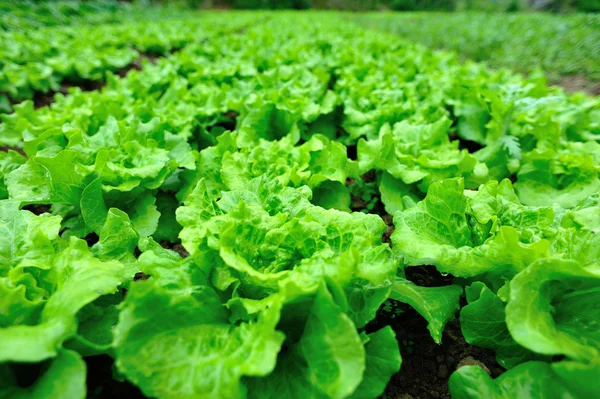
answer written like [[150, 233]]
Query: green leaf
[[26, 239], [74, 279], [332, 349], [332, 195], [178, 334], [95, 330], [383, 361], [93, 208], [168, 229], [65, 377], [396, 195], [436, 304], [9, 161], [565, 176], [483, 324], [552, 309], [327, 361], [418, 153], [531, 380], [144, 214], [485, 233], [512, 146], [117, 238], [579, 378]]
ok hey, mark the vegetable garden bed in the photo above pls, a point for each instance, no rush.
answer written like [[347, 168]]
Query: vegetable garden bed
[[293, 206]]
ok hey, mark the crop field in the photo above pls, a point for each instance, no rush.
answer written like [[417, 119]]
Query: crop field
[[226, 204], [559, 44]]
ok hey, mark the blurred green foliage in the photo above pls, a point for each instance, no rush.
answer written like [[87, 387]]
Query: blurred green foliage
[[61, 10], [356, 5], [410, 5], [559, 44], [272, 4], [589, 5]]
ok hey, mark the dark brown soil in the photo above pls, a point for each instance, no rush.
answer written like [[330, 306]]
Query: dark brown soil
[[389, 221], [426, 366], [37, 209], [228, 121], [101, 383], [44, 99], [137, 64], [92, 239], [140, 276], [575, 83], [351, 152], [177, 247]]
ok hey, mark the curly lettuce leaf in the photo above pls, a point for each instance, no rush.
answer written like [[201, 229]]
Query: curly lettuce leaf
[[441, 231], [383, 361], [578, 377], [9, 161], [396, 195], [489, 232], [553, 309], [565, 176], [174, 317], [168, 329], [64, 377], [578, 236], [483, 324], [436, 304], [418, 154], [73, 279], [83, 175], [265, 234], [528, 380], [327, 361]]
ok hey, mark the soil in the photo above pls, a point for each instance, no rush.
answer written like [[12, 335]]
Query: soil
[[101, 383], [137, 64], [351, 152], [576, 83], [228, 121], [177, 247], [45, 99], [427, 366], [37, 209], [389, 221]]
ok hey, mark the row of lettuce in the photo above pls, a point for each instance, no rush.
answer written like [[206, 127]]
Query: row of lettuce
[[39, 61], [34, 14], [239, 148]]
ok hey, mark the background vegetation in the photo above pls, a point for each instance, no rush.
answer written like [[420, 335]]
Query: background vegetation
[[558, 44], [399, 5]]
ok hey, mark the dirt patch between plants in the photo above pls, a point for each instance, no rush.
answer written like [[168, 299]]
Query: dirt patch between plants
[[41, 99], [44, 99], [576, 83], [101, 383], [427, 366]]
